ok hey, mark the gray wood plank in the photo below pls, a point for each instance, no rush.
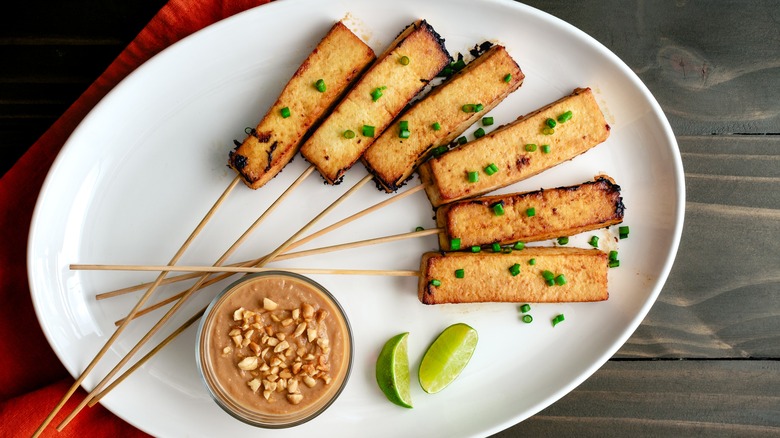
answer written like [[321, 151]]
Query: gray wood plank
[[666, 398]]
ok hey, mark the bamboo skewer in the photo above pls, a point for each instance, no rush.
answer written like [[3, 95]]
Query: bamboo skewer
[[191, 290], [246, 269], [194, 288], [136, 308], [294, 245], [285, 256]]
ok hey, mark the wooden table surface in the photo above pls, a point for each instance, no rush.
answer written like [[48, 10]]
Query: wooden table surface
[[705, 361]]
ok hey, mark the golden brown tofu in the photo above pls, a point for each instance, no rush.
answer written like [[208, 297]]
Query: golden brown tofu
[[504, 219], [392, 159], [579, 275], [446, 178], [376, 99], [338, 60]]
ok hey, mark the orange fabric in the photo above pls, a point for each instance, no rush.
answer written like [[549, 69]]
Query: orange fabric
[[32, 379]]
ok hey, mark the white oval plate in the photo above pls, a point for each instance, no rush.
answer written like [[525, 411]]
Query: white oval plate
[[147, 163]]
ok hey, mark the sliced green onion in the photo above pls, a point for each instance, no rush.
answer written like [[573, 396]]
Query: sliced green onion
[[565, 117], [435, 282], [468, 108], [519, 245], [514, 270], [594, 241], [550, 122], [557, 320], [613, 255], [548, 131], [527, 319], [404, 60], [614, 263], [285, 112], [491, 169], [560, 280], [404, 133], [498, 209], [320, 85], [473, 177], [530, 212], [439, 151], [530, 147], [436, 126], [349, 134], [532, 262], [623, 231], [368, 131], [545, 148], [547, 275], [508, 77], [403, 124], [462, 140], [476, 248], [525, 308], [455, 244], [479, 133], [487, 121], [506, 250], [496, 247], [376, 93], [563, 240], [419, 229], [550, 282], [460, 273], [478, 107]]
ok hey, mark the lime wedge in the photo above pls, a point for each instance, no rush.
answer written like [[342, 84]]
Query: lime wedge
[[392, 371], [446, 357]]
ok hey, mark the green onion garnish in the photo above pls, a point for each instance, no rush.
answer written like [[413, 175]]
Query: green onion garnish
[[368, 131], [623, 231], [320, 85], [285, 112], [496, 247], [532, 262], [436, 126], [525, 308], [437, 152], [349, 134], [530, 147], [550, 122], [547, 275], [476, 248], [498, 209], [614, 263], [563, 240], [508, 77], [403, 124], [473, 176], [455, 244], [527, 319], [519, 245], [462, 140], [545, 148], [404, 60], [594, 241], [514, 270], [479, 133], [491, 169], [460, 273], [550, 282], [435, 282], [557, 320], [487, 121], [468, 108], [376, 93], [613, 255], [548, 131], [404, 133], [565, 117], [478, 107], [560, 280], [419, 229], [530, 212]]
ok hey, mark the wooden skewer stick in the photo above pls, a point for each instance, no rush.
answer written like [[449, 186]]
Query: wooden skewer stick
[[194, 288], [246, 269], [135, 309], [285, 256], [301, 242]]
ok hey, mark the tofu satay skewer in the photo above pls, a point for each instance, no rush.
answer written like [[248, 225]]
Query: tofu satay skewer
[[441, 116], [415, 57]]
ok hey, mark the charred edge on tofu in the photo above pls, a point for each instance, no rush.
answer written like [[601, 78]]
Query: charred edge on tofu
[[270, 155], [238, 161], [480, 49]]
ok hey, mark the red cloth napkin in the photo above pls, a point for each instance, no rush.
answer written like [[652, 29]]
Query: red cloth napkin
[[32, 379]]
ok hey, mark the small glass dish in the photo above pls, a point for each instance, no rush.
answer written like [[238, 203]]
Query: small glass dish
[[274, 349]]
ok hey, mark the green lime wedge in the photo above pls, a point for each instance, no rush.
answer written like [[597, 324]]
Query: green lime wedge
[[446, 357], [392, 371]]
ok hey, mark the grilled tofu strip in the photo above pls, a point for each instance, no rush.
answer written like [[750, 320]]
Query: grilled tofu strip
[[562, 211], [488, 277], [338, 60], [392, 159], [446, 177], [377, 98]]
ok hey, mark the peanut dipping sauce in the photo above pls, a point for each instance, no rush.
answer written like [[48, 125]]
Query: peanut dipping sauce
[[275, 349]]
